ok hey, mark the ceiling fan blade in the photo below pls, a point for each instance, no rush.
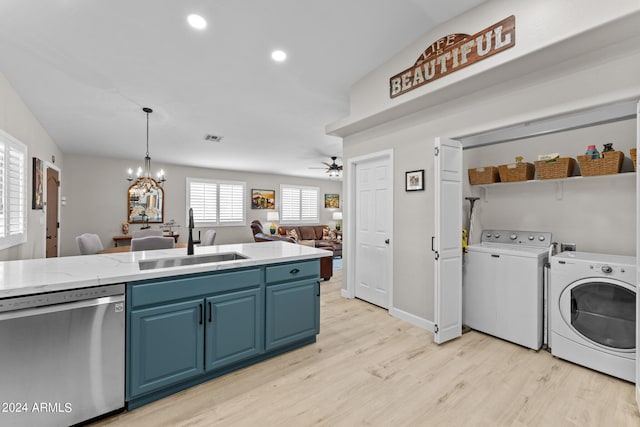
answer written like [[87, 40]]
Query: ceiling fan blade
[[325, 163], [340, 167]]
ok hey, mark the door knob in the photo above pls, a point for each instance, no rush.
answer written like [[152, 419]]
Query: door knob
[[386, 241], [49, 237]]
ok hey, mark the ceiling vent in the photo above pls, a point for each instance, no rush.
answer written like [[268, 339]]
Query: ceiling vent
[[212, 138]]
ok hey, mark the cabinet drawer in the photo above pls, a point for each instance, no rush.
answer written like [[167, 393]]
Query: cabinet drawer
[[162, 290], [293, 271]]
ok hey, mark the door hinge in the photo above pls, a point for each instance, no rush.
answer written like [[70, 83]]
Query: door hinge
[[57, 225], [436, 150], [437, 255], [435, 328]]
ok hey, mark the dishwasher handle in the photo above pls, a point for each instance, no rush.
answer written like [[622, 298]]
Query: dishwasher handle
[[37, 311]]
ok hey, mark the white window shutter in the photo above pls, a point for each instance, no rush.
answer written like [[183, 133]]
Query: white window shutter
[[290, 204], [203, 199], [216, 203], [2, 192], [13, 191], [299, 204], [231, 203], [16, 194]]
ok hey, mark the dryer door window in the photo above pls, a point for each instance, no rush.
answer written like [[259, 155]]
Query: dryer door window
[[604, 313]]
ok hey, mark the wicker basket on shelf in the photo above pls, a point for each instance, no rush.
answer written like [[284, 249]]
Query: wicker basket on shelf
[[610, 163], [633, 157], [514, 172], [485, 175], [558, 168]]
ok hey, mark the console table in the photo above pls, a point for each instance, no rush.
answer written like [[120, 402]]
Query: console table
[[125, 240]]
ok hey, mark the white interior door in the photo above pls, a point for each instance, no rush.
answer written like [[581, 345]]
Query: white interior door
[[373, 204], [447, 242]]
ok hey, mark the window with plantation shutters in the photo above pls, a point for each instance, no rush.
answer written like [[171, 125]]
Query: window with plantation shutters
[[216, 203], [299, 204], [13, 197]]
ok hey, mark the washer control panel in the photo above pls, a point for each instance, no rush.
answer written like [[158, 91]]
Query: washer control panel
[[520, 238]]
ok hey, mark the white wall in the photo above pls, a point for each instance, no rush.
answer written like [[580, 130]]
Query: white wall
[[17, 120], [539, 25], [513, 95], [96, 194]]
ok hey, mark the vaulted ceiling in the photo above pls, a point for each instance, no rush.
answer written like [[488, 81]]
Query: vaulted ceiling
[[86, 68]]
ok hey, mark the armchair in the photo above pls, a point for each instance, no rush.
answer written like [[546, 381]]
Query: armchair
[[260, 236]]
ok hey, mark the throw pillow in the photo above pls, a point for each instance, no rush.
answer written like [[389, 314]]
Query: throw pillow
[[333, 235], [293, 234], [326, 233]]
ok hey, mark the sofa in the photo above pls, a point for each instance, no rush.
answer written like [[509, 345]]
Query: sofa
[[313, 235], [326, 263]]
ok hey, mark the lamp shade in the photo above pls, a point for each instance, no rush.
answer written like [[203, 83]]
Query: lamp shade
[[337, 216], [273, 216]]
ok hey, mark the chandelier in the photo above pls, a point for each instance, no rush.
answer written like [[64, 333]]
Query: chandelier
[[144, 183]]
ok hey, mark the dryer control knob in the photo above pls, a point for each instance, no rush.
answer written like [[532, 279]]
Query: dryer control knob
[[607, 269], [513, 236], [497, 235], [541, 238], [531, 237], [488, 234]]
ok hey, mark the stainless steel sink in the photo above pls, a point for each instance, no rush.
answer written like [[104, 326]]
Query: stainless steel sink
[[189, 260]]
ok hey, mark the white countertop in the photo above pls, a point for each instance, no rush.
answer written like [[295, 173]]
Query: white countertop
[[36, 276]]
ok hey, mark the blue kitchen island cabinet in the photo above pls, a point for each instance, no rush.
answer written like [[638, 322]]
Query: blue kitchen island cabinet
[[184, 330], [234, 327], [292, 303], [166, 345]]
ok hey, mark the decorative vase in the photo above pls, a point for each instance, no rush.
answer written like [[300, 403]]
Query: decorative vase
[[125, 227], [273, 228]]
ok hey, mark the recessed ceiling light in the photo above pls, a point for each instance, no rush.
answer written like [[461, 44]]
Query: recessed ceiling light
[[278, 55], [197, 21]]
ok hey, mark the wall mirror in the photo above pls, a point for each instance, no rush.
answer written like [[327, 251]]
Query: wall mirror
[[145, 207]]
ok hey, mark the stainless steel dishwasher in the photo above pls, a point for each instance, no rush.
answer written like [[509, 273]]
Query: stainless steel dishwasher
[[61, 356]]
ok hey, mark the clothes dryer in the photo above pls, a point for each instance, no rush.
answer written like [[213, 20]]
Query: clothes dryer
[[593, 311]]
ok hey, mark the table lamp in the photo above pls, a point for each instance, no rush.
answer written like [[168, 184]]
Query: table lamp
[[273, 216], [337, 217]]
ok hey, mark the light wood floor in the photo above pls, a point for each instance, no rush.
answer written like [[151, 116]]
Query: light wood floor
[[369, 368]]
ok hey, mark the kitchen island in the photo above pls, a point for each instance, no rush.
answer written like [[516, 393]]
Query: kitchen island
[[186, 324]]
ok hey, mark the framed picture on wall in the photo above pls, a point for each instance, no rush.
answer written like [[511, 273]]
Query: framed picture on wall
[[331, 200], [414, 180], [37, 198], [263, 199]]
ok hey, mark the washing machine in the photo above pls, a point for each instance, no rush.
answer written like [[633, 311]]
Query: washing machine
[[502, 285], [593, 311]]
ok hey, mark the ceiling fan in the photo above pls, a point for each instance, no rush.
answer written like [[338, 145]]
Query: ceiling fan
[[332, 169]]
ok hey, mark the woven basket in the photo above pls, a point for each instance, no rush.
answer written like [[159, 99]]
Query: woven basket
[[514, 172], [633, 158], [559, 168], [485, 175], [609, 164]]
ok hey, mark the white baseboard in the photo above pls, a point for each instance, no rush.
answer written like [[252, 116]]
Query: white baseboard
[[346, 294], [412, 318]]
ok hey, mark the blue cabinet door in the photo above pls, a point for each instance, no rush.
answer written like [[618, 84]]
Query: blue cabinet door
[[234, 325], [165, 345], [292, 313]]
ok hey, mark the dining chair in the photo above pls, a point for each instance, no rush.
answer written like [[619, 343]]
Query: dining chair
[[209, 238], [152, 242], [89, 244], [147, 232]]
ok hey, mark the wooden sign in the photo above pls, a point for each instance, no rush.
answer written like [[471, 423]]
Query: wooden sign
[[452, 53]]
